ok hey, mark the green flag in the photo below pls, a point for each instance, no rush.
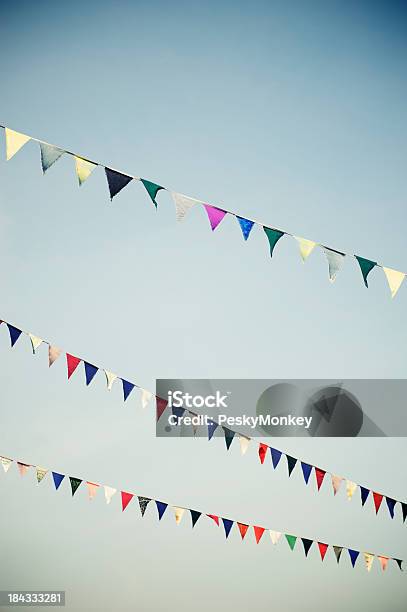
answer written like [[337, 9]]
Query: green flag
[[291, 540], [75, 482], [274, 236], [152, 189], [366, 266]]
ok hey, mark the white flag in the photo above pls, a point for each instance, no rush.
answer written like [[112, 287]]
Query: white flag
[[335, 260], [183, 204]]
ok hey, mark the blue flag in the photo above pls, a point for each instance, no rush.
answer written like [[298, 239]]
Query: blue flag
[[246, 226], [275, 456], [364, 494], [90, 371], [127, 388], [390, 504], [229, 435], [353, 554], [194, 516], [14, 333], [291, 463], [306, 470], [58, 478], [211, 429], [161, 507], [228, 524], [116, 181]]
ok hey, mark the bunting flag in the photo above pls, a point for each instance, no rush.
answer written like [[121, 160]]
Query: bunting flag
[[244, 443], [143, 503], [227, 524], [109, 492], [338, 551], [179, 513], [194, 517], [291, 463], [291, 539], [404, 511], [161, 405], [35, 342], [117, 180], [41, 473], [22, 468], [14, 142], [84, 169], [383, 561], [53, 354], [72, 363], [243, 529], [145, 397], [364, 494], [126, 499], [377, 499], [336, 483], [127, 388], [275, 536], [262, 452], [307, 545], [399, 563], [6, 462], [322, 549], [353, 554], [229, 435], [14, 334], [75, 483], [319, 475], [90, 371], [350, 489], [275, 456], [58, 478], [161, 508], [391, 504], [211, 429], [368, 560], [306, 470], [92, 489], [214, 518], [258, 532], [110, 378]]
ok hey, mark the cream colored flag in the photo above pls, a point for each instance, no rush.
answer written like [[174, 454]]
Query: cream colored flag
[[179, 513], [244, 443], [22, 468], [35, 342], [275, 536], [110, 378], [394, 278], [41, 472], [92, 489], [145, 397], [350, 488], [306, 247], [53, 354], [368, 560], [84, 169], [14, 142], [5, 462], [336, 483], [109, 492], [183, 204], [383, 562]]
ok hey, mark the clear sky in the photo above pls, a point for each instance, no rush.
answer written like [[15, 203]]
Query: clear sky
[[291, 113]]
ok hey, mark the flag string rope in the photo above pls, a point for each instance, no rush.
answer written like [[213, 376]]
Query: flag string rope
[[117, 180], [264, 450], [126, 498]]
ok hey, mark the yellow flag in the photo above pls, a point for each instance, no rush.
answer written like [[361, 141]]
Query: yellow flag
[[14, 142], [110, 378], [35, 342], [350, 488], [244, 443], [306, 247], [275, 536], [92, 489], [41, 472], [394, 278], [368, 560], [179, 513], [84, 169], [336, 483], [5, 462]]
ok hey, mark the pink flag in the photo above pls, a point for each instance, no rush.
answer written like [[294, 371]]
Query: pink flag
[[215, 215]]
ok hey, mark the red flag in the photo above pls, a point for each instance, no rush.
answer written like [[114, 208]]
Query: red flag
[[319, 474], [161, 405], [258, 532], [322, 549], [126, 499], [72, 363], [262, 452], [243, 529], [377, 498], [214, 518]]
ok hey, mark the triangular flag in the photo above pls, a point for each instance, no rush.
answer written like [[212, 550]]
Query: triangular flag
[[350, 489], [126, 499], [84, 169], [14, 142], [182, 205], [49, 155], [368, 560], [161, 508], [178, 412], [404, 510], [152, 190], [353, 554], [307, 545], [211, 429], [383, 561], [275, 536], [215, 215], [22, 468], [364, 494], [291, 540], [258, 532], [306, 247], [291, 463], [194, 517], [335, 259], [35, 342], [92, 489], [338, 551], [161, 405], [143, 503], [109, 492], [145, 397], [75, 483], [244, 443], [58, 478], [319, 475], [127, 388], [399, 563], [229, 435], [394, 278], [391, 504], [214, 518], [41, 472], [179, 513], [90, 371], [72, 363], [243, 529], [366, 266], [306, 470], [53, 354], [273, 236], [275, 456], [110, 378], [227, 524], [377, 499], [336, 483], [322, 549], [246, 226], [14, 333], [262, 451], [116, 181], [6, 462]]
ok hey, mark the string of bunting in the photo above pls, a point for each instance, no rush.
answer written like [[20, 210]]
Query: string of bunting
[[179, 511], [117, 180], [264, 450]]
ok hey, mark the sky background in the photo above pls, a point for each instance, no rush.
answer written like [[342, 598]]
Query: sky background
[[290, 113]]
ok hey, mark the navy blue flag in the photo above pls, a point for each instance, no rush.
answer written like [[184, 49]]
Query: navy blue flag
[[364, 494], [291, 462], [90, 371], [116, 181], [58, 478], [14, 333], [195, 516], [275, 456], [246, 226], [161, 507], [404, 510], [178, 412], [307, 545], [127, 388], [211, 429], [228, 524], [390, 504], [353, 554], [229, 435], [306, 470]]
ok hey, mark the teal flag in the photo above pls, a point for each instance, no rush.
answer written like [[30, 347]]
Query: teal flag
[[152, 190], [273, 236], [366, 266]]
